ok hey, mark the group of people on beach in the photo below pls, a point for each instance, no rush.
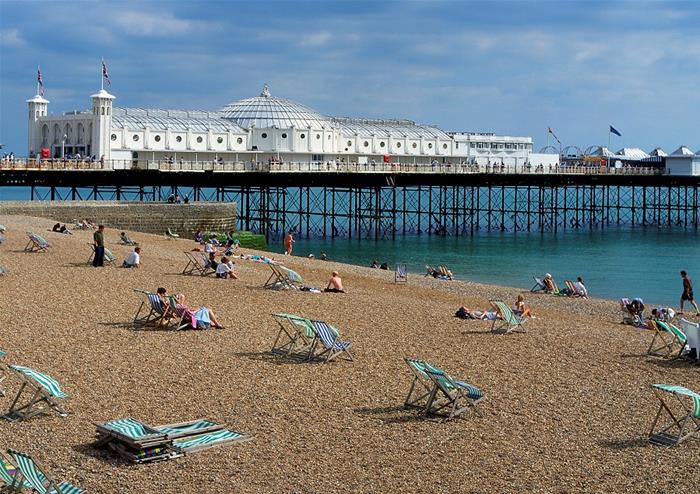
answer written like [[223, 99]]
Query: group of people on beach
[[519, 309]]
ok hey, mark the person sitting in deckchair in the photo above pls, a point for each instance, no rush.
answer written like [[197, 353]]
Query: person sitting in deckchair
[[124, 238], [549, 285], [213, 264], [200, 318], [133, 260], [520, 309], [335, 284], [225, 270]]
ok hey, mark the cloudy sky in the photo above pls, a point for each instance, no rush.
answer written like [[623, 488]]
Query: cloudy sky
[[511, 67]]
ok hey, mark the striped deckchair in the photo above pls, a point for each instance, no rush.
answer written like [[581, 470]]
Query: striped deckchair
[[539, 285], [44, 392], [571, 289], [151, 311], [692, 332], [134, 441], [197, 262], [3, 373], [451, 397], [282, 277], [209, 440], [109, 257], [509, 321], [32, 473], [684, 420], [189, 428], [295, 337], [668, 340], [401, 274], [332, 347], [36, 243], [10, 477], [422, 386]]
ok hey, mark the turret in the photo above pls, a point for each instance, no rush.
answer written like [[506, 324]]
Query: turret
[[38, 107], [101, 125]]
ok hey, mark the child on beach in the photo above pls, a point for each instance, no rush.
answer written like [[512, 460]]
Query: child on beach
[[225, 269]]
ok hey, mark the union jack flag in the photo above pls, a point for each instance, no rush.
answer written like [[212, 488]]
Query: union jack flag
[[105, 74], [40, 81]]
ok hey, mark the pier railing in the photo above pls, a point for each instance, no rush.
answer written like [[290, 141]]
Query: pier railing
[[20, 164]]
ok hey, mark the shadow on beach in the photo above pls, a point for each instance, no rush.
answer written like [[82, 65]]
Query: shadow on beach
[[622, 444]]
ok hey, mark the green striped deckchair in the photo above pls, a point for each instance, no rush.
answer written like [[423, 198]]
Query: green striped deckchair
[[509, 322], [668, 339], [295, 336], [109, 257], [10, 476], [282, 277], [189, 428], [44, 391], [421, 387], [209, 440], [134, 441], [451, 397], [684, 420], [32, 473]]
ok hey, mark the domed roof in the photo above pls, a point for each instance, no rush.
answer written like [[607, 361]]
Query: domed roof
[[266, 111]]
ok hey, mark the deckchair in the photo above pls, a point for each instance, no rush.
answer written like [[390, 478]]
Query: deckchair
[[539, 285], [36, 243], [209, 440], [509, 321], [684, 420], [3, 228], [283, 277], [177, 321], [449, 396], [692, 333], [572, 290], [668, 340], [295, 337], [3, 270], [170, 235], [3, 373], [10, 477], [44, 391], [134, 441], [197, 262], [109, 257], [328, 338], [400, 275], [38, 480], [152, 311], [422, 386]]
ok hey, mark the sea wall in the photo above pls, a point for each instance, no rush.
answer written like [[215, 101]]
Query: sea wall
[[148, 217]]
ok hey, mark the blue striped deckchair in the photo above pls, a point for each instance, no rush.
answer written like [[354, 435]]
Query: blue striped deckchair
[[509, 321], [209, 440], [197, 262], [36, 243], [401, 274], [668, 339], [295, 337], [10, 476], [151, 311], [44, 391], [422, 386], [328, 337], [109, 257], [684, 420], [451, 395], [539, 285], [32, 473]]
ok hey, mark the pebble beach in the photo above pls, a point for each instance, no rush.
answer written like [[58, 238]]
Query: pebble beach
[[568, 405]]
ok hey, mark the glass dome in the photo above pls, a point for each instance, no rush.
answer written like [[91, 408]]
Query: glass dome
[[266, 111]]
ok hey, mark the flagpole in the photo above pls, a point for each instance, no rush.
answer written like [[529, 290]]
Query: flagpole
[[38, 71], [608, 138], [102, 77]]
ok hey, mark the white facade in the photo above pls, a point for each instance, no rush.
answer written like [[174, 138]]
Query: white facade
[[257, 129], [685, 165]]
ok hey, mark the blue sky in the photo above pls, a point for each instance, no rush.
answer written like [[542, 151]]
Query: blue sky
[[508, 67]]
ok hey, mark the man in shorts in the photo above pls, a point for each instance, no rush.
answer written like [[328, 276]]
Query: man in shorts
[[688, 293]]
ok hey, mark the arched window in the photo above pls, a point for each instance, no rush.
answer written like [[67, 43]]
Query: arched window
[[45, 135], [103, 110], [57, 134], [68, 133], [81, 133]]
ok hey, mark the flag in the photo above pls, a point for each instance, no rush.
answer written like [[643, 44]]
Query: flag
[[615, 131], [105, 74], [549, 129], [40, 81]]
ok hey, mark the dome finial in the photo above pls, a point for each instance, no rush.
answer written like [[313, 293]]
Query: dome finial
[[265, 91]]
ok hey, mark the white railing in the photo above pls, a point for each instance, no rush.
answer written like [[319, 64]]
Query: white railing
[[21, 164]]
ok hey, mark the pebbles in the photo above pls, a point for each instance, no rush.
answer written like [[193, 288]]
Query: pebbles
[[568, 403]]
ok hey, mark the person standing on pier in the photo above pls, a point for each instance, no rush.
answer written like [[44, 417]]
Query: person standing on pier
[[688, 293], [99, 239], [288, 243]]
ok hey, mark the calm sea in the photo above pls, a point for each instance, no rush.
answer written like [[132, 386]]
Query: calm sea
[[614, 263]]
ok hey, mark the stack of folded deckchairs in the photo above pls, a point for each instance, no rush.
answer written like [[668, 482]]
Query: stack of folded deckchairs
[[139, 442]]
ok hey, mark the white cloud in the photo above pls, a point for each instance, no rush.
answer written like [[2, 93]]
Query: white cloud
[[152, 24], [316, 39], [11, 37]]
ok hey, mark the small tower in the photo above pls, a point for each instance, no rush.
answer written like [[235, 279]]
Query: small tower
[[101, 125], [38, 107]]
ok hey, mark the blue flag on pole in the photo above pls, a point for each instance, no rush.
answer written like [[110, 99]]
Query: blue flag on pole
[[615, 131]]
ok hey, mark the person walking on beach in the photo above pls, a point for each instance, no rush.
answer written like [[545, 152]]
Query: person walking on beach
[[288, 243], [99, 239], [688, 293]]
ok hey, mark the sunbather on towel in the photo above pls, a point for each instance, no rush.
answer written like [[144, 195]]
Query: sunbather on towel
[[465, 313]]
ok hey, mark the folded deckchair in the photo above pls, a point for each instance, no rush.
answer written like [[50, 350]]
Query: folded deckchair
[[197, 263], [332, 347], [668, 339], [208, 440], [36, 243], [170, 235], [282, 277], [539, 285], [3, 373], [10, 477], [692, 333], [684, 420], [509, 320], [152, 311], [295, 337], [43, 394], [109, 257], [401, 275], [32, 473], [449, 396]]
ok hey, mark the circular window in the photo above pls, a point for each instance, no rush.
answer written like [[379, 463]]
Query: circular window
[[430, 145], [303, 136], [113, 137], [414, 145], [199, 139], [398, 144], [381, 144], [263, 135], [366, 144], [349, 143], [219, 140], [157, 138], [135, 137], [318, 136], [239, 140], [444, 146], [284, 136], [178, 139]]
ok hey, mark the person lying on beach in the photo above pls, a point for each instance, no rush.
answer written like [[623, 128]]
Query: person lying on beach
[[481, 315], [124, 238], [335, 284], [549, 286], [520, 309], [225, 269]]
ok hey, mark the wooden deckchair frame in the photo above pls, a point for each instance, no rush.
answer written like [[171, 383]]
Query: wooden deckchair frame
[[151, 316], [196, 263], [417, 398], [455, 400], [668, 343], [510, 322], [292, 340], [539, 285], [170, 235], [40, 401], [49, 484], [280, 275], [17, 484], [109, 256], [680, 418], [331, 351], [34, 245]]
